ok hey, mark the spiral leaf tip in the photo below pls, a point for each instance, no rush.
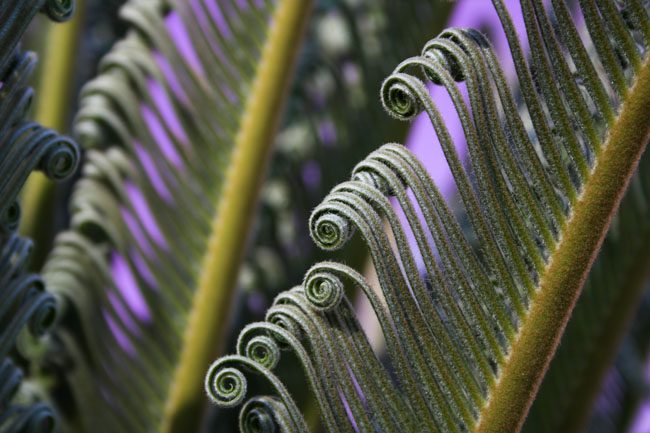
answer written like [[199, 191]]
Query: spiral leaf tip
[[330, 230], [398, 97], [59, 10], [323, 289], [61, 159], [263, 350], [225, 386]]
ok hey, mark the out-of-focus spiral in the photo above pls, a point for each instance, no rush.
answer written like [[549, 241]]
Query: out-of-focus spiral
[[38, 307], [399, 97], [323, 289], [39, 418], [10, 218], [61, 159], [44, 314], [328, 229], [263, 350], [59, 10], [226, 386]]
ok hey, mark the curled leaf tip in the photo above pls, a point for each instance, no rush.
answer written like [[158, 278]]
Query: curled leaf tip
[[330, 229], [323, 289], [226, 386], [59, 10], [399, 95]]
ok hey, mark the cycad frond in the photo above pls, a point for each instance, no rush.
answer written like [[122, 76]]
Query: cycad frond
[[469, 353], [177, 127], [24, 146]]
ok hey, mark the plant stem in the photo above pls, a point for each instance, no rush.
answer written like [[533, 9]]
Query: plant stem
[[205, 332], [568, 266]]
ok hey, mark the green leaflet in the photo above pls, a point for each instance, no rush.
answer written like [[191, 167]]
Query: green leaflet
[[24, 146], [468, 353], [176, 127]]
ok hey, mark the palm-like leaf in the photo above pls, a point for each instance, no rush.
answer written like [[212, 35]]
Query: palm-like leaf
[[144, 274], [470, 354]]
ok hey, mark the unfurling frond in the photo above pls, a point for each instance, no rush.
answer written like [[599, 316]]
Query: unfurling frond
[[469, 343], [24, 146], [177, 127]]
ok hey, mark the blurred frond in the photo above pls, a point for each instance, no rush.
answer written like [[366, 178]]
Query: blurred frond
[[24, 146], [177, 128]]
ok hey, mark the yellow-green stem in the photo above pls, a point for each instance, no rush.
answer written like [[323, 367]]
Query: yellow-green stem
[[212, 301], [560, 285], [52, 110]]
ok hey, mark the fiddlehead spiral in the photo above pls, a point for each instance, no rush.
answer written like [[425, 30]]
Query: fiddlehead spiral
[[323, 289], [259, 348], [257, 416], [402, 96], [329, 228], [33, 147], [25, 302], [226, 386]]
